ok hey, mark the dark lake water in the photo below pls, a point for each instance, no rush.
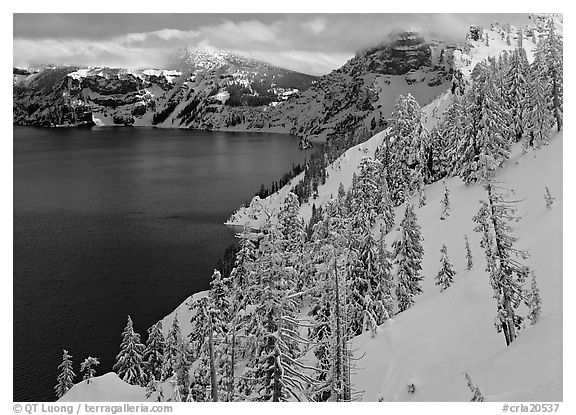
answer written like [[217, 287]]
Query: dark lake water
[[116, 221]]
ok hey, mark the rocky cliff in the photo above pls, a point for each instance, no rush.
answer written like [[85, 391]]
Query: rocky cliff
[[216, 90]]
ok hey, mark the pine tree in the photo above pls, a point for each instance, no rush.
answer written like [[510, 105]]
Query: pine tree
[[408, 254], [422, 198], [445, 202], [445, 276], [173, 348], [452, 129], [129, 363], [549, 199], [469, 263], [153, 357], [243, 273], [486, 143], [207, 326], [66, 377], [516, 91], [507, 275], [476, 394], [275, 369], [539, 120], [87, 368], [384, 206], [398, 152], [534, 301], [550, 53]]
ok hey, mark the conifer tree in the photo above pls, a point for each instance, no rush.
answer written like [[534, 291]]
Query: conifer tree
[[398, 150], [384, 206], [486, 143], [550, 55], [534, 301], [129, 363], [507, 274], [517, 91], [445, 202], [469, 263], [476, 394], [153, 357], [177, 355], [445, 276], [408, 254], [87, 368], [243, 273], [66, 377], [539, 120], [422, 198], [549, 199], [275, 368]]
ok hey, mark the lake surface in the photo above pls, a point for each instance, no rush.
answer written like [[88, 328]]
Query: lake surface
[[116, 221]]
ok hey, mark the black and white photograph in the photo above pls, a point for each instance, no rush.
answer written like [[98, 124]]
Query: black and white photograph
[[287, 207]]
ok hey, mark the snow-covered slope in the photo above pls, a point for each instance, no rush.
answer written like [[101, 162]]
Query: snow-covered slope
[[452, 332], [105, 388]]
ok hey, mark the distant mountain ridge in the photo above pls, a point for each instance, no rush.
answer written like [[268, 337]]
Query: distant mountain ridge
[[220, 90]]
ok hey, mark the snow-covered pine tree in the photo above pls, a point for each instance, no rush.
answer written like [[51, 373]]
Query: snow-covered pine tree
[[177, 354], [291, 228], [422, 196], [538, 118], [87, 367], [66, 377], [275, 369], [219, 294], [408, 254], [397, 152], [476, 394], [449, 135], [129, 363], [550, 53], [516, 83], [206, 326], [242, 274], [153, 357], [329, 333], [549, 199], [507, 275], [469, 263], [154, 387], [533, 300], [384, 206], [445, 276], [486, 143], [445, 202]]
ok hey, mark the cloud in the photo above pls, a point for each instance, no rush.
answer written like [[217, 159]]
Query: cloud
[[315, 26], [308, 43]]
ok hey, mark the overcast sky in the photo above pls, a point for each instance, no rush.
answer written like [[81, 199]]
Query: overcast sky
[[310, 43]]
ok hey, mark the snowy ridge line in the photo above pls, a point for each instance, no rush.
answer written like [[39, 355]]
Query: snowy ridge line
[[432, 113]]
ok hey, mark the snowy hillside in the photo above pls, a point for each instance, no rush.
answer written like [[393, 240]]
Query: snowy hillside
[[449, 333]]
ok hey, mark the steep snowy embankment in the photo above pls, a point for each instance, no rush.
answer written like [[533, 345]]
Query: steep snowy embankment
[[452, 332]]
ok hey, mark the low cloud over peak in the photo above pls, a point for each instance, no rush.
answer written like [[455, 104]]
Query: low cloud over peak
[[314, 44]]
